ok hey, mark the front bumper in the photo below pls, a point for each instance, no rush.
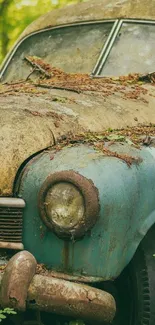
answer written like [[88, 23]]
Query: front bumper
[[22, 288]]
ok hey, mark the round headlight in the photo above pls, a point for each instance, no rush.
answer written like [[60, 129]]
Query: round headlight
[[68, 204], [64, 205]]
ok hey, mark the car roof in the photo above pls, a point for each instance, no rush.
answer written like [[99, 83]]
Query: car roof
[[94, 10]]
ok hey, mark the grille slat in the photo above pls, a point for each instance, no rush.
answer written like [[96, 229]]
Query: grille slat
[[11, 224], [13, 227], [9, 237], [13, 240], [9, 219], [11, 212], [11, 231], [7, 214]]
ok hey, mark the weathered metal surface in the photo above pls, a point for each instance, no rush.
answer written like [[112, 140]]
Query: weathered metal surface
[[30, 123], [71, 299], [16, 280], [72, 278], [72, 228], [27, 127], [64, 298], [11, 202], [8, 245], [127, 210]]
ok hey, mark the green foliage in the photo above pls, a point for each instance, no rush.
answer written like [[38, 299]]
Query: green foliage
[[6, 311], [15, 15]]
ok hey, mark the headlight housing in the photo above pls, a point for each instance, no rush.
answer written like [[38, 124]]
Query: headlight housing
[[69, 204]]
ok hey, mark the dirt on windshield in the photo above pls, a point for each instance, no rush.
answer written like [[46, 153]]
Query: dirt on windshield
[[130, 87]]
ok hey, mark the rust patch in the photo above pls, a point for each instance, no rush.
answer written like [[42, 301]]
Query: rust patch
[[126, 158], [19, 285], [71, 299], [9, 245], [136, 136], [65, 298], [66, 256], [18, 274], [57, 117], [98, 141], [42, 270]]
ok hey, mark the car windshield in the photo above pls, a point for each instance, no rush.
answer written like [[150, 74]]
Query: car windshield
[[83, 48], [74, 49], [133, 50]]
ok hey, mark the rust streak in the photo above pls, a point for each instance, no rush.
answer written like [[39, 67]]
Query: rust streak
[[66, 256]]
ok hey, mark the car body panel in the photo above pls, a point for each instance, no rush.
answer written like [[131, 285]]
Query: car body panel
[[127, 209], [93, 10], [27, 126]]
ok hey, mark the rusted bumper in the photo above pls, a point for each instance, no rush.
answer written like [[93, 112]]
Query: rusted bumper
[[21, 288]]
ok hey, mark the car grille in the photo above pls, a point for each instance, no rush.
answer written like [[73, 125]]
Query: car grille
[[11, 225]]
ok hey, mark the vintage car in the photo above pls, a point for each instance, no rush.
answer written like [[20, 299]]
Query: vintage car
[[77, 165]]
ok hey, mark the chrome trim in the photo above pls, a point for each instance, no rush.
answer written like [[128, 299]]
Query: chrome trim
[[99, 61], [151, 22], [107, 49], [11, 202], [11, 245]]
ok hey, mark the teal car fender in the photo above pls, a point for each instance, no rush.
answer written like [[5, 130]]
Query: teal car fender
[[127, 209]]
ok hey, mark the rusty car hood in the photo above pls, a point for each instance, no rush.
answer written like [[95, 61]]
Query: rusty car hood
[[33, 118]]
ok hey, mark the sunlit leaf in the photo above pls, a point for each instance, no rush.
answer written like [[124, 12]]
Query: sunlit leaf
[[2, 316]]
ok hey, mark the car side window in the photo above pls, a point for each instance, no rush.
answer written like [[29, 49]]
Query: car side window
[[133, 50], [74, 49]]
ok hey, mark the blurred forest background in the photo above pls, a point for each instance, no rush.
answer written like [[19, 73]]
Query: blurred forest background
[[15, 15]]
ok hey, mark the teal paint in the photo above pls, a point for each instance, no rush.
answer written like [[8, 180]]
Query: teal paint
[[127, 209]]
